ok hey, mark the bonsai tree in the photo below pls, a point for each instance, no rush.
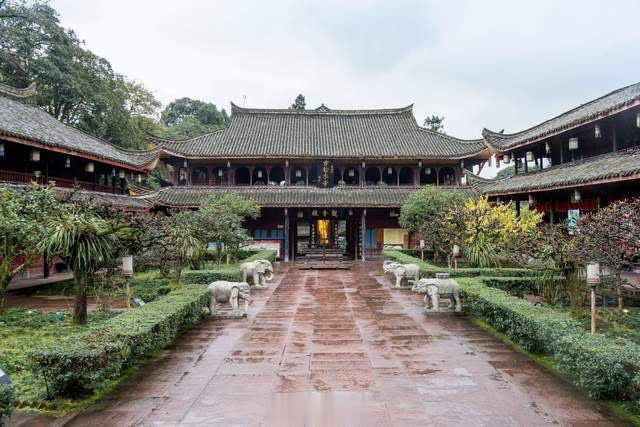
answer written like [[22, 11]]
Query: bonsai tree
[[424, 214], [23, 217], [86, 242], [611, 236]]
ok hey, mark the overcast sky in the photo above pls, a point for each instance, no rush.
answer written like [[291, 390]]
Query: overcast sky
[[495, 64]]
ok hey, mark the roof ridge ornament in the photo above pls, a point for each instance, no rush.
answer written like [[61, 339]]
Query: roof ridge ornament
[[323, 109], [27, 94]]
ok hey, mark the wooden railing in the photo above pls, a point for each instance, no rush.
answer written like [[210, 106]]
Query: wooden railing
[[26, 178]]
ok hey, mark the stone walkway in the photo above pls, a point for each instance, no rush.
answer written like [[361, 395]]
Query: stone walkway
[[340, 349]]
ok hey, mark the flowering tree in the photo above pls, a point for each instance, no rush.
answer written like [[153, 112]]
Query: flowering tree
[[484, 231], [23, 216], [611, 236]]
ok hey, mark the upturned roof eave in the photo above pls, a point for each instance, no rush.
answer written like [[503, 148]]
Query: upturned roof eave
[[492, 138], [29, 141]]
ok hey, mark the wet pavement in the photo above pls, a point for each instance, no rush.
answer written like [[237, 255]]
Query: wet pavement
[[341, 348]]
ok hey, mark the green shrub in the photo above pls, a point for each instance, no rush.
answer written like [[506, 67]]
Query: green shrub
[[7, 400], [150, 289], [516, 286], [605, 368], [230, 272], [429, 270], [81, 363]]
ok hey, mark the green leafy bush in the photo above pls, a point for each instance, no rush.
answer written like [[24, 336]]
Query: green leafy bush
[[516, 286], [78, 364], [429, 270], [7, 400], [149, 289], [230, 272], [605, 368]]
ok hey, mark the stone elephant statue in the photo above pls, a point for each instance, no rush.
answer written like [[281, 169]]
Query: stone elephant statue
[[411, 272], [260, 272], [231, 292], [440, 287]]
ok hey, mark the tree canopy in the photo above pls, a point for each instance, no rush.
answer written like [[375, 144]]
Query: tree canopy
[[299, 103], [424, 213], [434, 123], [186, 118], [74, 85], [23, 215]]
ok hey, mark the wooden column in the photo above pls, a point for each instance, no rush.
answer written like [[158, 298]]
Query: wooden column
[[397, 176], [437, 171], [286, 235], [287, 174], [515, 165], [45, 264], [614, 137], [363, 230], [526, 164], [517, 207], [251, 175], [306, 175], [362, 176], [416, 176], [46, 167]]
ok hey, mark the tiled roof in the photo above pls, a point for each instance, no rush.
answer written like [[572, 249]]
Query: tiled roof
[[612, 166], [101, 199], [28, 122], [293, 196], [600, 107], [324, 133], [105, 199]]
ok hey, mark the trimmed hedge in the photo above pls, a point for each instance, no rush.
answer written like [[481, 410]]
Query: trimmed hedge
[[516, 286], [231, 273], [7, 400], [79, 364], [604, 367], [429, 270]]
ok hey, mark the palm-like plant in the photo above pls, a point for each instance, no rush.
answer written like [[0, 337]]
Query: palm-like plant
[[86, 242]]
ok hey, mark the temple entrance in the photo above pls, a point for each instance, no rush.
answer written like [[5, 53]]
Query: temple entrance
[[324, 237]]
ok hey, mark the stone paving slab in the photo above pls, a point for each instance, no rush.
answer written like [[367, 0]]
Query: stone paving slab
[[342, 348]]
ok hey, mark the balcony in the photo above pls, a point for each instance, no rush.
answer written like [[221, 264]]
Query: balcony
[[27, 178]]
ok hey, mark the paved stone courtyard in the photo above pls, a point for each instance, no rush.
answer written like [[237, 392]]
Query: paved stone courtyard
[[341, 348]]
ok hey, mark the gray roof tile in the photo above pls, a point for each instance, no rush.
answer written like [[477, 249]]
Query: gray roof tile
[[324, 133], [293, 196], [21, 120], [619, 165], [624, 97]]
